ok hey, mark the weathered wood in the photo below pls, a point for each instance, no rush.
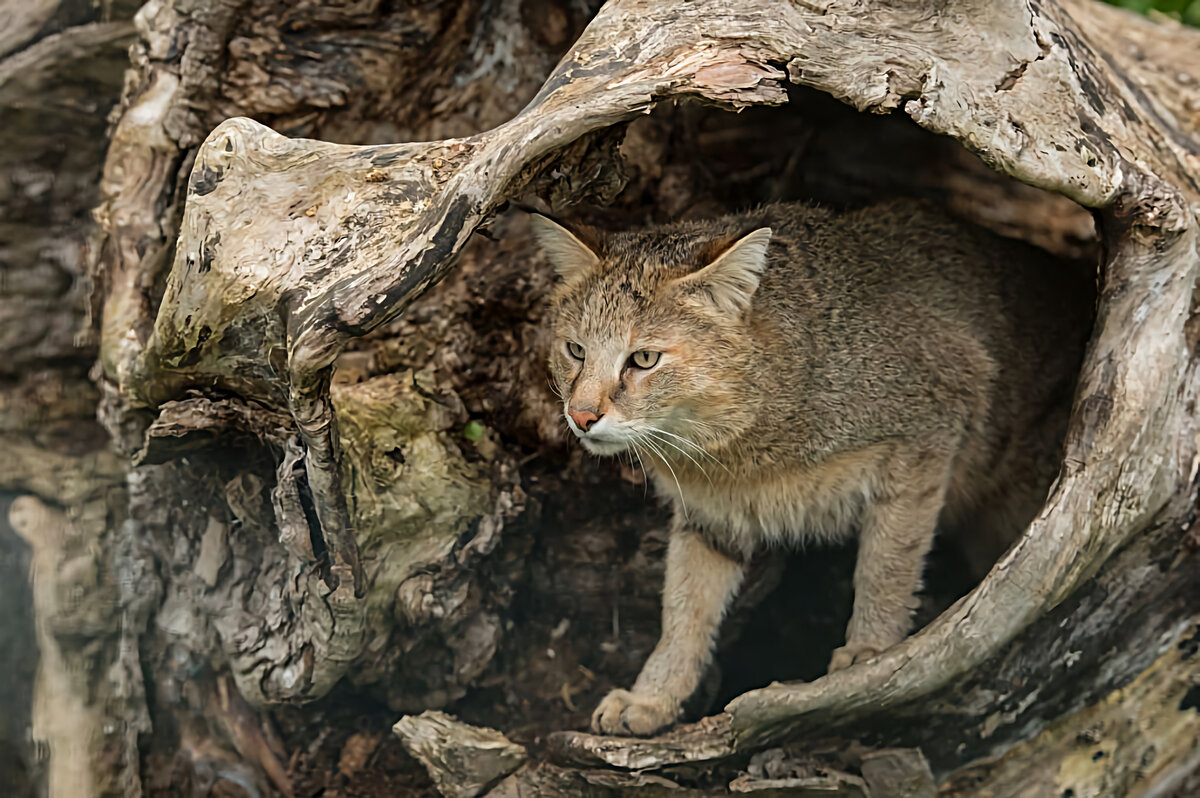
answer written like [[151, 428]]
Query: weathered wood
[[708, 739], [291, 250], [352, 234], [463, 760]]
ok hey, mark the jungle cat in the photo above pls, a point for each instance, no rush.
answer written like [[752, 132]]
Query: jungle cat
[[794, 374]]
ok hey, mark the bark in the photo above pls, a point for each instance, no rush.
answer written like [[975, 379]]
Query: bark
[[330, 487], [463, 760], [61, 68]]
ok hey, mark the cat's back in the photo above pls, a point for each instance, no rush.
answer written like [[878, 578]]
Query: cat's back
[[901, 250], [904, 265], [896, 318]]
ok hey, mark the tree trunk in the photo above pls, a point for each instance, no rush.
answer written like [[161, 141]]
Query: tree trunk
[[316, 484]]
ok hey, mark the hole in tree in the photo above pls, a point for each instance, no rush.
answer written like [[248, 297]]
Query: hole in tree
[[592, 542], [695, 161]]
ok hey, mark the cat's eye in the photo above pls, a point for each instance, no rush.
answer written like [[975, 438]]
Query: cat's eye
[[645, 359], [576, 350]]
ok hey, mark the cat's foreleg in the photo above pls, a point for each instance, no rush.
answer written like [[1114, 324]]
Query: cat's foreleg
[[897, 533], [700, 583]]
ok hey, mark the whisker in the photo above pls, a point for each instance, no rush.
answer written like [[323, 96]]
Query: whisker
[[645, 477], [649, 443], [681, 450], [712, 430], [715, 433], [697, 447]]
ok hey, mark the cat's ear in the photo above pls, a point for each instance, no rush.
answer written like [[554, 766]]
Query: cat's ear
[[568, 253], [731, 278]]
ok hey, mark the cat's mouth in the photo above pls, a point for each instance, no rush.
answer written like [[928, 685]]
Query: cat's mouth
[[601, 446], [602, 439]]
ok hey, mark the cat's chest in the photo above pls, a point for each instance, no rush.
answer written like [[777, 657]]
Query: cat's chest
[[787, 505]]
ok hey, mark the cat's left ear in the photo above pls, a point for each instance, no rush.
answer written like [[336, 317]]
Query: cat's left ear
[[731, 278], [566, 249]]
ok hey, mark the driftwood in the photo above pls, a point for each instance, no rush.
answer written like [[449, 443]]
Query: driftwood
[[239, 267], [463, 760]]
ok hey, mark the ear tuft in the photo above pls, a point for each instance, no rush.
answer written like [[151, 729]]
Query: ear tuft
[[732, 277], [570, 256]]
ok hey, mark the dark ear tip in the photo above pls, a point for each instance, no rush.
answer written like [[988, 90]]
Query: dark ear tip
[[751, 229], [588, 236], [539, 216]]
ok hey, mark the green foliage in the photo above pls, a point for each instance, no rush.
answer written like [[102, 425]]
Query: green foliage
[[1186, 10]]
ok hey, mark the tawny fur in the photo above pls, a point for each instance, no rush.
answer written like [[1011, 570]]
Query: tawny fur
[[881, 371]]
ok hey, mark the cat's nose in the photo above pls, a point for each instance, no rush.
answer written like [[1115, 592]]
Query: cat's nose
[[583, 418]]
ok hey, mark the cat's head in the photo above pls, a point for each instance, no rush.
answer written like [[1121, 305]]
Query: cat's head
[[651, 346]]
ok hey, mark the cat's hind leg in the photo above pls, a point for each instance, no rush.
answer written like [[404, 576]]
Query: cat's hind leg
[[897, 532]]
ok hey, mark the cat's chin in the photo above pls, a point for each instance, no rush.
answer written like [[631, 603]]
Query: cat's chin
[[604, 448]]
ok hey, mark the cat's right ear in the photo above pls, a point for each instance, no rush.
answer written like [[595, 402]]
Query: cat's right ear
[[732, 277], [566, 250]]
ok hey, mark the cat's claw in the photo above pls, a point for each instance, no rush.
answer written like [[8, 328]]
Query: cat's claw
[[851, 654], [638, 714]]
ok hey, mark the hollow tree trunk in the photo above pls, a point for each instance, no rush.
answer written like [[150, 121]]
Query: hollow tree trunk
[[256, 562]]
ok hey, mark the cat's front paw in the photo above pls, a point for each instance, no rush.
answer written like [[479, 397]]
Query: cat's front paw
[[850, 654], [637, 714]]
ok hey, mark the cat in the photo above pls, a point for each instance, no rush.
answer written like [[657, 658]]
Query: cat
[[793, 374]]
